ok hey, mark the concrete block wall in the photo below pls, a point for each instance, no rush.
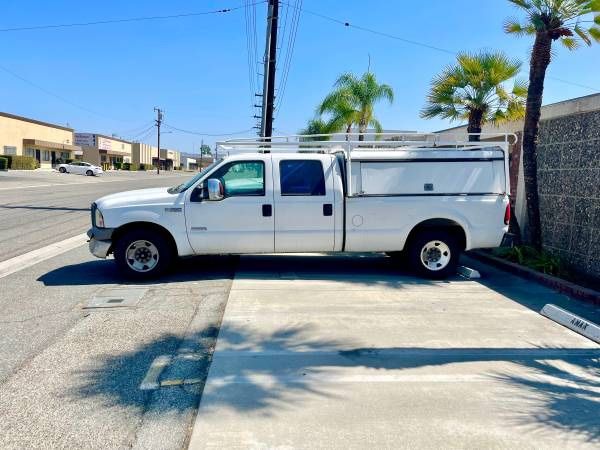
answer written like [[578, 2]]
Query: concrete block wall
[[569, 188]]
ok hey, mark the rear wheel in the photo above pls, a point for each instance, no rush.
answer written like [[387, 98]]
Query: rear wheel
[[62, 169], [434, 254], [89, 173], [143, 254]]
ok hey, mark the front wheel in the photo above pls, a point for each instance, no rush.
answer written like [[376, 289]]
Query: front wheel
[[62, 169], [143, 254], [434, 254], [89, 173]]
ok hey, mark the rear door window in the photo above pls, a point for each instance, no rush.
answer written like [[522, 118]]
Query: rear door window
[[301, 177]]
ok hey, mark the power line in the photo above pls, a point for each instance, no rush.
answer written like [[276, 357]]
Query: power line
[[134, 131], [289, 53], [147, 130], [199, 133], [59, 97], [413, 42], [124, 20]]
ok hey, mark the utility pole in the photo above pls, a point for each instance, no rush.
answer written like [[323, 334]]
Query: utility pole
[[159, 117], [269, 77]]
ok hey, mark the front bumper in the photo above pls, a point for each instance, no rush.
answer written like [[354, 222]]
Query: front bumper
[[100, 241]]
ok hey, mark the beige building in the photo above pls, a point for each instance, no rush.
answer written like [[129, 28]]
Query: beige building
[[48, 143], [169, 159], [104, 150], [143, 154]]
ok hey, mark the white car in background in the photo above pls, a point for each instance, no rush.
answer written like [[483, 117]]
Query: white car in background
[[81, 168]]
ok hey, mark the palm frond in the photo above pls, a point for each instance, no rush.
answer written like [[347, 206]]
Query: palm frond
[[583, 34], [513, 26], [569, 43], [595, 33], [476, 84]]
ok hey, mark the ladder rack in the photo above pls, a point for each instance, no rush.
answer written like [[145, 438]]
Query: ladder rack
[[323, 143]]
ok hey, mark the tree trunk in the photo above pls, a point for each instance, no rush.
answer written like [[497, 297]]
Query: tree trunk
[[362, 128], [348, 131], [540, 59], [475, 118]]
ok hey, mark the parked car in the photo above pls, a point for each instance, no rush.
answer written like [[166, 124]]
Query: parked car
[[80, 167], [421, 201]]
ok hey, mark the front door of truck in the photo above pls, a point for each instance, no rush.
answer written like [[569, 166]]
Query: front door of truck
[[243, 221], [304, 203]]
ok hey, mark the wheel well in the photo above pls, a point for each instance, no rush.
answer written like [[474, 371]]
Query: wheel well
[[147, 226], [446, 224]]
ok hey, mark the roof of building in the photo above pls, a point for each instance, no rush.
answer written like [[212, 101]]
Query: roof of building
[[37, 122]]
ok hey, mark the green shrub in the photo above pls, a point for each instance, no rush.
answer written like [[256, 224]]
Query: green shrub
[[528, 256], [3, 163], [126, 166], [18, 162], [117, 165], [142, 167]]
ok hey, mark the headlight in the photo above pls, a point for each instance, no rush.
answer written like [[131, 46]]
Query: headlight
[[98, 219]]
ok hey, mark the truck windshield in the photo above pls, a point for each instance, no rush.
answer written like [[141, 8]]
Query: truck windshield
[[185, 186]]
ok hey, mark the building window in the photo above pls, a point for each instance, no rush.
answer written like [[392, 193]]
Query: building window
[[64, 155], [30, 152], [8, 150], [46, 155]]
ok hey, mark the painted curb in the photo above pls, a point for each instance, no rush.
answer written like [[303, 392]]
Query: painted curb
[[566, 287]]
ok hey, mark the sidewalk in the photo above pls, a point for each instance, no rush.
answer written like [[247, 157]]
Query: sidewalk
[[340, 352]]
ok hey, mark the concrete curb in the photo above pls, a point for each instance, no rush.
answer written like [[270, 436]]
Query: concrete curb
[[573, 290]]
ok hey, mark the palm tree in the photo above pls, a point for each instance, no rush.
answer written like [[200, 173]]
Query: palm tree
[[317, 126], [548, 21], [353, 101], [474, 90]]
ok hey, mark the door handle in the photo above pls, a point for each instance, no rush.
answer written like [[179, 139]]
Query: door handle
[[327, 209], [267, 210]]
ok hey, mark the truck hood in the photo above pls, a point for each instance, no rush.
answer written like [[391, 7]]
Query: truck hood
[[137, 197]]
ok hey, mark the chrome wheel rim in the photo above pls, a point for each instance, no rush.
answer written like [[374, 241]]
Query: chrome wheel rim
[[142, 256], [435, 255]]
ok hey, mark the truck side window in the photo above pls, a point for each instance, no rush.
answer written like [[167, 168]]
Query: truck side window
[[302, 177], [244, 178]]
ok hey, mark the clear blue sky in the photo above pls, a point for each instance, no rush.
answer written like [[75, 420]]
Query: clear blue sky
[[196, 67]]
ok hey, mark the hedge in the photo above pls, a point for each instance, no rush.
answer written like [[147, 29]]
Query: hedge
[[130, 166], [17, 162], [3, 163], [117, 165], [142, 167]]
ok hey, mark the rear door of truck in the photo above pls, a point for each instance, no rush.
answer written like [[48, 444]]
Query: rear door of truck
[[304, 202]]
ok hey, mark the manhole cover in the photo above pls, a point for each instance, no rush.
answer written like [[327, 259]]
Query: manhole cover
[[116, 298]]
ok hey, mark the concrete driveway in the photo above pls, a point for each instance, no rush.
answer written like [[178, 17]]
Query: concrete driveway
[[345, 352]]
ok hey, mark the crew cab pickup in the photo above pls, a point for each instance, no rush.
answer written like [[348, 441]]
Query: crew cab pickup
[[424, 202]]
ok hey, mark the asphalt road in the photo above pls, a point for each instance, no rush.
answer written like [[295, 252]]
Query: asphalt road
[[42, 207]]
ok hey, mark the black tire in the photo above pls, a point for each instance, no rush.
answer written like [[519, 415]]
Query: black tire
[[89, 173], [62, 169], [441, 263], [161, 243]]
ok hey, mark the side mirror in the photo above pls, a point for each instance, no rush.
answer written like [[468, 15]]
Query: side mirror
[[215, 190]]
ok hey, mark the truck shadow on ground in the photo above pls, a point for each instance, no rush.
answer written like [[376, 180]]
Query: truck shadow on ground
[[369, 269], [556, 388]]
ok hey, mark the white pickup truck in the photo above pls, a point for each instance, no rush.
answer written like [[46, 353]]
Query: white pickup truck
[[421, 198]]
